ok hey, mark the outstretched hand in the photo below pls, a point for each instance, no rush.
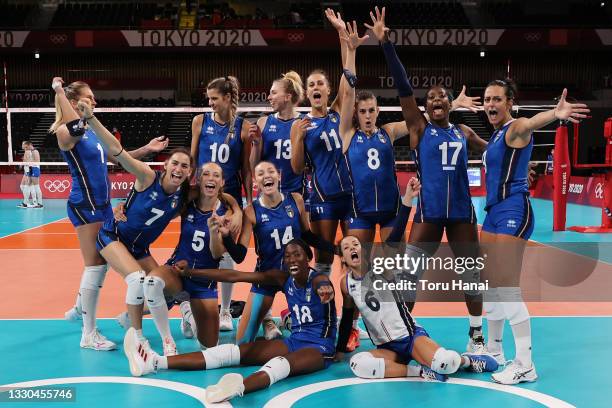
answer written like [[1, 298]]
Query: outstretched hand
[[570, 111], [469, 102], [378, 24], [157, 144], [334, 19], [351, 36]]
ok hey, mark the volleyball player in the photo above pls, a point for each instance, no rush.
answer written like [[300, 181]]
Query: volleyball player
[[222, 137], [24, 186], [274, 219], [310, 347], [510, 220], [34, 175], [89, 201], [440, 150]]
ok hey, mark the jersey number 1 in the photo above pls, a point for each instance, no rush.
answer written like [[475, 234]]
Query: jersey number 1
[[287, 236], [304, 316], [444, 148]]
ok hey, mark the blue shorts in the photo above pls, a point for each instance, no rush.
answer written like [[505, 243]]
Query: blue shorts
[[200, 288], [106, 237], [370, 221], [512, 216], [334, 209], [325, 346], [443, 219], [266, 290], [80, 216], [34, 172], [403, 347]]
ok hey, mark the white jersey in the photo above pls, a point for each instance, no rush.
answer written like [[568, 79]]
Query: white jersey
[[384, 319]]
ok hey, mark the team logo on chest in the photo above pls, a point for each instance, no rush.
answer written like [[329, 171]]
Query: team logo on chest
[[359, 139], [174, 202], [289, 211], [334, 119], [264, 218], [153, 195], [272, 128]]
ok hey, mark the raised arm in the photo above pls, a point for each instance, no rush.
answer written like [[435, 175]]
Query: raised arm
[[298, 133], [337, 22], [523, 127], [144, 174], [415, 122], [475, 142], [256, 142], [351, 38], [155, 145], [66, 137]]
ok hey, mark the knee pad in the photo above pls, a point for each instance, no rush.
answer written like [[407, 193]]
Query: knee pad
[[445, 361], [365, 365], [494, 310], [226, 262], [135, 292], [154, 291], [225, 355], [93, 277], [513, 305], [323, 268], [277, 369]]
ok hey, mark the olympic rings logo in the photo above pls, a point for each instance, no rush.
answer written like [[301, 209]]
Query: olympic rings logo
[[295, 37], [58, 38], [599, 190], [533, 36], [57, 186]]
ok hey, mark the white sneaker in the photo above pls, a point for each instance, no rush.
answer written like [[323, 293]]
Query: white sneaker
[[169, 347], [499, 357], [73, 314], [96, 341], [271, 331], [515, 373], [142, 359], [124, 320], [476, 345], [225, 321], [228, 387], [186, 314]]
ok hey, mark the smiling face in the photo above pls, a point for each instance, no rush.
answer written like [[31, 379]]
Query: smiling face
[[350, 248], [279, 98], [267, 178], [211, 180], [295, 260], [437, 105], [178, 169], [367, 113], [317, 90], [217, 101], [497, 106]]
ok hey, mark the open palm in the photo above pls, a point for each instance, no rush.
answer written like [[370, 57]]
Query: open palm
[[570, 111], [378, 24]]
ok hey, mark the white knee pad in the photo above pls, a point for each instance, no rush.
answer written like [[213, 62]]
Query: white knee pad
[[135, 292], [93, 277], [445, 361], [323, 268], [225, 355], [154, 291], [226, 262], [277, 369], [365, 365], [494, 310], [513, 305]]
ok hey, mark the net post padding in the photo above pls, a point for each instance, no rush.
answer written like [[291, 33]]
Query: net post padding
[[561, 178], [606, 204]]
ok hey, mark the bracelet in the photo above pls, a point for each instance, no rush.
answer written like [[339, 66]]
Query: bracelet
[[121, 151]]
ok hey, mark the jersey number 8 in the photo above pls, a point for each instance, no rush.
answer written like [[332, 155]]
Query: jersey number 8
[[304, 316]]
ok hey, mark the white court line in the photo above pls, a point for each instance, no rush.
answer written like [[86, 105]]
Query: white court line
[[191, 390], [31, 228], [288, 398]]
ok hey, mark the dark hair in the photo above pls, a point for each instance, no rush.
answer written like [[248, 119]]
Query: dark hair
[[449, 92], [509, 86], [185, 187], [361, 96], [300, 242]]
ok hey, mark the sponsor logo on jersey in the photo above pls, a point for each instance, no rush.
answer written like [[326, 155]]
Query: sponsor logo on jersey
[[457, 133], [153, 195], [265, 218], [210, 130], [290, 290], [289, 211], [190, 218], [272, 128], [434, 132], [381, 137], [359, 139], [511, 224]]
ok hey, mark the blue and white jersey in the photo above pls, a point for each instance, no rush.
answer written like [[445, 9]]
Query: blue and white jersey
[[87, 163], [506, 167], [323, 150], [441, 158], [372, 168], [273, 228], [218, 147], [311, 320], [276, 148], [194, 242], [148, 213]]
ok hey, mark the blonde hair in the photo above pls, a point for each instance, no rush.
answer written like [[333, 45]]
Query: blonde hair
[[72, 92], [228, 85], [293, 85]]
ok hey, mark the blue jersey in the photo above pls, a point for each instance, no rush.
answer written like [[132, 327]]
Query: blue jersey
[[216, 146], [148, 213], [194, 243], [323, 149], [506, 167], [441, 158], [276, 149], [372, 168], [274, 227], [87, 163], [311, 320]]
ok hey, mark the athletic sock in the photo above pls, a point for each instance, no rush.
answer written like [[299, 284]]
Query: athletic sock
[[522, 341], [495, 334]]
